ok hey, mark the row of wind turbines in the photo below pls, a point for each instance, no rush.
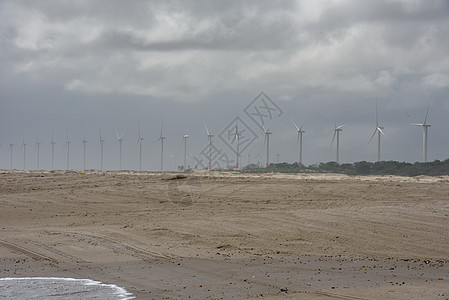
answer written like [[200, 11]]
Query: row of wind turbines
[[235, 139]]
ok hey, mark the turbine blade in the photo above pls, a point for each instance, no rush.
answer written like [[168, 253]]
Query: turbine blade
[[207, 130], [296, 126], [333, 138], [116, 132], [300, 128], [377, 116], [270, 126], [375, 130], [162, 126], [427, 112], [380, 130], [341, 126]]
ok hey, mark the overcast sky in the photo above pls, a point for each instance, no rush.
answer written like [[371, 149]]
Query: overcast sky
[[77, 66]]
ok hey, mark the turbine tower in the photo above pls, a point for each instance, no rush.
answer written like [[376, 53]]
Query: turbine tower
[[37, 148], [120, 141], [237, 137], [24, 146], [209, 137], [52, 142], [67, 144], [299, 140], [10, 150], [139, 142], [337, 131], [84, 141], [425, 128], [379, 131], [162, 138], [101, 150], [267, 141], [184, 139]]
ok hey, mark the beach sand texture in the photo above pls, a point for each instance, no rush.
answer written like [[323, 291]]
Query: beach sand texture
[[217, 235]]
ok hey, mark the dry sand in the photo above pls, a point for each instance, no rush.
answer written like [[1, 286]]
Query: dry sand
[[230, 236]]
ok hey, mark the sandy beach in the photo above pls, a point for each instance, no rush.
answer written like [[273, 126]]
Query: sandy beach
[[216, 235]]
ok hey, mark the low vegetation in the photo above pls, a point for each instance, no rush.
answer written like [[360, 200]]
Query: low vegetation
[[435, 168]]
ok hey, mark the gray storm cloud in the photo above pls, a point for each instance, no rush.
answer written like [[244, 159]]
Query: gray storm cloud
[[331, 59]]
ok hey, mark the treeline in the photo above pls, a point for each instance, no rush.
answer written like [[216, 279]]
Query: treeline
[[435, 168]]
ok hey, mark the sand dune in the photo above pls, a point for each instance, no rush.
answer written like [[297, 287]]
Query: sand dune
[[227, 235]]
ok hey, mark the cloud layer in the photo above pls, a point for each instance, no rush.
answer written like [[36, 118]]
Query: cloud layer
[[308, 54]]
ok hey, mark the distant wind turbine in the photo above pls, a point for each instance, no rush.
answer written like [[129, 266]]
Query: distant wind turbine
[[184, 139], [84, 141], [379, 131], [52, 142], [161, 139], [337, 131], [37, 148], [67, 144], [267, 141], [101, 150], [140, 142], [237, 138], [209, 137], [120, 141], [10, 150], [24, 146], [425, 128], [299, 140]]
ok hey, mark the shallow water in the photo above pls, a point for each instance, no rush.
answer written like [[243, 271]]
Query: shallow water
[[59, 288]]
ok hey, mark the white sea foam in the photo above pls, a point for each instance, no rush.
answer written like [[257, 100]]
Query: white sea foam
[[59, 288]]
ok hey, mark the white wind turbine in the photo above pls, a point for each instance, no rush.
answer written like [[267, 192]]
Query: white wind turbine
[[379, 131], [120, 141], [140, 142], [237, 137], [299, 140], [10, 150], [267, 141], [24, 146], [337, 131], [52, 142], [101, 150], [425, 128], [184, 139], [67, 144], [37, 149], [84, 141], [209, 137], [161, 139]]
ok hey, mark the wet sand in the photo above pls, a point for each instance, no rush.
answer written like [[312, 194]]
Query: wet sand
[[230, 236]]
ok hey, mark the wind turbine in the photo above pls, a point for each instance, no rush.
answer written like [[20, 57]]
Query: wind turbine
[[425, 128], [37, 148], [84, 141], [267, 141], [24, 146], [210, 136], [162, 138], [67, 144], [237, 137], [10, 150], [184, 139], [52, 142], [379, 131], [337, 131], [120, 141], [101, 149], [299, 140], [139, 142]]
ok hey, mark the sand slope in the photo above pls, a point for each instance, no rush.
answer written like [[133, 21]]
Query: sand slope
[[225, 235]]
